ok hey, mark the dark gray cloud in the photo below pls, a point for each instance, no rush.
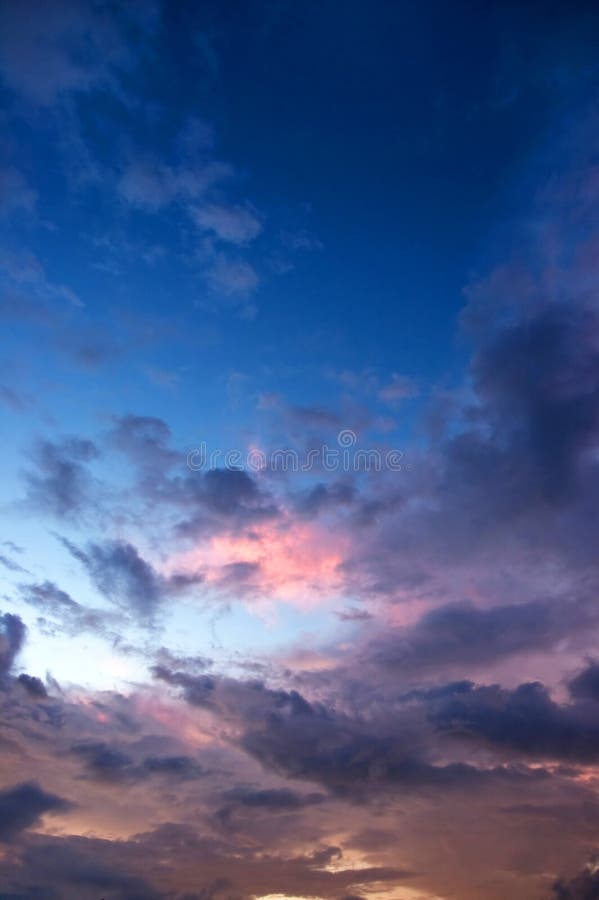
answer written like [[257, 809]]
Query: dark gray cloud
[[515, 484], [23, 805], [12, 636], [65, 612], [523, 721], [351, 756], [458, 634], [110, 764], [276, 799], [74, 868], [145, 440], [178, 767], [252, 801], [104, 762], [120, 574], [130, 869], [220, 498], [48, 597], [583, 886], [34, 686], [353, 615], [247, 801], [323, 497], [540, 382], [585, 685], [373, 754], [193, 664], [206, 500]]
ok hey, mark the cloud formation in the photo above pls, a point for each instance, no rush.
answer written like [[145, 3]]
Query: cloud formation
[[246, 682], [23, 805]]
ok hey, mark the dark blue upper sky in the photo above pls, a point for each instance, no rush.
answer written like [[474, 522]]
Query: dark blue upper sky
[[385, 153]]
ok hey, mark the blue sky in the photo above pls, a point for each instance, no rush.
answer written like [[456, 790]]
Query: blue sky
[[272, 227]]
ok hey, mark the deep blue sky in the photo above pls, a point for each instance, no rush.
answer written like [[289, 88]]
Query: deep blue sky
[[399, 143]]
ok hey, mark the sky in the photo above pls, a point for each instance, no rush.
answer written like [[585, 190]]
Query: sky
[[299, 403]]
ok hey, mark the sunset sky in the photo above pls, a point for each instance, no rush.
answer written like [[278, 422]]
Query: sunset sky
[[299, 404]]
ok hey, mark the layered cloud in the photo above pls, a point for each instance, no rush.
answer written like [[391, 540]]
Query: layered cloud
[[272, 672]]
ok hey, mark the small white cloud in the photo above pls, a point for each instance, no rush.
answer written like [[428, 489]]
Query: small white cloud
[[150, 185], [399, 388], [232, 277], [231, 223]]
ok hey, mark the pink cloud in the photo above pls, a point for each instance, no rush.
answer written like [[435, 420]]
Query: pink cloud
[[297, 563]]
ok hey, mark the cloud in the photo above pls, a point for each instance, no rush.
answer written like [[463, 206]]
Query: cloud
[[525, 721], [145, 440], [23, 805], [205, 501], [59, 482], [583, 886], [14, 400], [33, 686], [41, 46], [539, 381], [301, 240], [353, 736], [133, 868], [322, 497], [485, 551], [352, 757], [269, 558], [399, 388], [220, 499], [232, 277], [516, 460], [585, 685], [109, 764], [271, 799], [72, 865], [460, 634], [11, 564], [231, 223], [151, 185], [353, 615], [70, 617], [89, 346], [28, 294], [192, 182], [121, 575], [12, 637]]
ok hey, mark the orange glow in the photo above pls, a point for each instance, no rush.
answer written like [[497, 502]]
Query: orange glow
[[309, 661]]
